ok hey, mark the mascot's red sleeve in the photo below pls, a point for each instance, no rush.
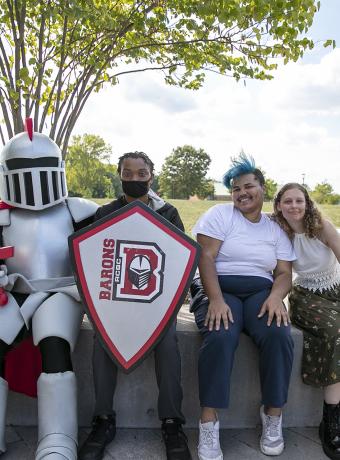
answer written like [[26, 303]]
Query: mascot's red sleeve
[[23, 367]]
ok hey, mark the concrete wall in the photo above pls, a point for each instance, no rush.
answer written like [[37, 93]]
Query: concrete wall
[[136, 395]]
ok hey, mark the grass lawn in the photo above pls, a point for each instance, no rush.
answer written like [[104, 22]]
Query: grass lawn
[[191, 210]]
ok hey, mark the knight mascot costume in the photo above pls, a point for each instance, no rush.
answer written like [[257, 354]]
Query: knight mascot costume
[[40, 296]]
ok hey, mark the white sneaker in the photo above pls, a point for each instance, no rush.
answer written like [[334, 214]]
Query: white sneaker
[[209, 441], [271, 442]]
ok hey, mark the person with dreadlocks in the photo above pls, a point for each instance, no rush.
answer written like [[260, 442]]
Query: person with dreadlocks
[[136, 173], [315, 301], [245, 273]]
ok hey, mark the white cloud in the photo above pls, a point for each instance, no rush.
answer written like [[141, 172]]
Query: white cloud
[[290, 124], [307, 89], [151, 91]]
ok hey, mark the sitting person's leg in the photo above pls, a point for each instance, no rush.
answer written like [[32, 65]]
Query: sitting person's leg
[[55, 327], [168, 375], [321, 354], [215, 363], [275, 363], [105, 374], [57, 401]]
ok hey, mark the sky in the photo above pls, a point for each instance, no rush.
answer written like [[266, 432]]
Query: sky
[[290, 125]]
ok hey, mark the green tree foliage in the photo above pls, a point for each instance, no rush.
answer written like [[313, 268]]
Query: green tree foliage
[[323, 194], [183, 173], [54, 54], [334, 199], [88, 170], [270, 189], [155, 183], [206, 189]]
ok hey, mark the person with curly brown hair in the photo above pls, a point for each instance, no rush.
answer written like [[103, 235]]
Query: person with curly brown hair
[[315, 301]]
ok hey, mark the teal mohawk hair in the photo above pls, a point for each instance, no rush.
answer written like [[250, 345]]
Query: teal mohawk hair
[[239, 166]]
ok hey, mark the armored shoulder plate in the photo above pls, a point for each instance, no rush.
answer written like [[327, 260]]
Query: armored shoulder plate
[[80, 208]]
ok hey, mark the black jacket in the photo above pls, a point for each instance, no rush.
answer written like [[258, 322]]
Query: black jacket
[[167, 211]]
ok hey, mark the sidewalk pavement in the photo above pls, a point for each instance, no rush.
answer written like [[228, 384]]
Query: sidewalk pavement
[[146, 444]]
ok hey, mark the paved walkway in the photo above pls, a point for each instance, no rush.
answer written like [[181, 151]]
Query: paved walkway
[[145, 444]]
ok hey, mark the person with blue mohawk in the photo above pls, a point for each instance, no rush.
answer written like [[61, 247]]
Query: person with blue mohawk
[[245, 273]]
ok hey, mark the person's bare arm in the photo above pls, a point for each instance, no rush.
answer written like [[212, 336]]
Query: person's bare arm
[[281, 286], [331, 237], [218, 310]]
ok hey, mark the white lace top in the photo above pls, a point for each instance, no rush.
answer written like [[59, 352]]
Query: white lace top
[[316, 266]]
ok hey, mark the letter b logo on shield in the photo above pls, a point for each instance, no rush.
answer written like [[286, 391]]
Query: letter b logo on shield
[[139, 271]]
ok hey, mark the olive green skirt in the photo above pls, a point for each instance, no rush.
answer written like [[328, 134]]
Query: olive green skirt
[[317, 314]]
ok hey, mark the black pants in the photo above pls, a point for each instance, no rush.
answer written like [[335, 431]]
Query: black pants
[[168, 375]]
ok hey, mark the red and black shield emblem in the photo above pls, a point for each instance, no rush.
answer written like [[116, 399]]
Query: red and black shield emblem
[[139, 271], [133, 269]]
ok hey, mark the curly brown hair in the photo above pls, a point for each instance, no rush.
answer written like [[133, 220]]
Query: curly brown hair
[[312, 220]]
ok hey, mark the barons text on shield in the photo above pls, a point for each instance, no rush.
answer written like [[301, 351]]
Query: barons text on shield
[[131, 271]]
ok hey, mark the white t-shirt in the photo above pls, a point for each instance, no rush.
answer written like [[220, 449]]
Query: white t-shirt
[[250, 249]]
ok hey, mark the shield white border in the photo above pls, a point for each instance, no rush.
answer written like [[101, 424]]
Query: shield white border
[[176, 302]]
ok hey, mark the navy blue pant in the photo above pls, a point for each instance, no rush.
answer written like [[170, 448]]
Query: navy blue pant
[[245, 296]]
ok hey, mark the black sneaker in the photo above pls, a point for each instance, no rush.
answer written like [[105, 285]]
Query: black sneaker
[[176, 443], [103, 432]]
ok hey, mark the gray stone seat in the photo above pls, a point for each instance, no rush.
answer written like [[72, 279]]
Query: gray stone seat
[[136, 395]]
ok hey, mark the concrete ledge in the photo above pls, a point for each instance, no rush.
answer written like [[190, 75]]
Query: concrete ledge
[[136, 395]]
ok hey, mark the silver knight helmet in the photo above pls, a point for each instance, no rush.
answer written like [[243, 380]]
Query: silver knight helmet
[[140, 271], [32, 172]]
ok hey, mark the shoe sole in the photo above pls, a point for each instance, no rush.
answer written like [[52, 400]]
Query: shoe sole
[[220, 457], [97, 457], [330, 454], [272, 451]]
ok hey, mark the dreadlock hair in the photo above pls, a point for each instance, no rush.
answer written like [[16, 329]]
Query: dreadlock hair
[[240, 166], [135, 155], [312, 220]]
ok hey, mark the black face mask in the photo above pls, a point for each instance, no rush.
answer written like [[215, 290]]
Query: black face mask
[[135, 188]]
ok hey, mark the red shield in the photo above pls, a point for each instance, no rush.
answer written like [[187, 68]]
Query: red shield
[[133, 269]]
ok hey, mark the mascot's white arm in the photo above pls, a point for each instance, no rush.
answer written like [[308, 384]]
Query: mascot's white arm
[[80, 208]]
